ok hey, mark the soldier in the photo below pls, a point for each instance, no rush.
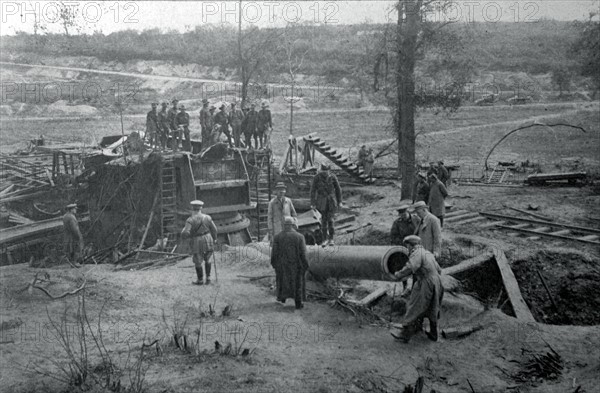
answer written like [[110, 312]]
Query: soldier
[[163, 125], [171, 117], [421, 189], [288, 258], [427, 292], [326, 196], [183, 124], [443, 174], [362, 155], [235, 119], [205, 123], [403, 226], [202, 234], [369, 162], [152, 127], [280, 207], [429, 229], [221, 119], [264, 123], [437, 194], [249, 127], [213, 126], [72, 234]]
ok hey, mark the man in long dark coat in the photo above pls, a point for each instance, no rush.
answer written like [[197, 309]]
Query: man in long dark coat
[[427, 291], [72, 234], [221, 119], [202, 234], [326, 196], [288, 258], [172, 118], [437, 194]]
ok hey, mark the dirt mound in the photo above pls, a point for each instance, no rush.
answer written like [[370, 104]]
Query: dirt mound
[[62, 107], [572, 280]]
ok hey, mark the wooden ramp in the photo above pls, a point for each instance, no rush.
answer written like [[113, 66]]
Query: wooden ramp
[[511, 286]]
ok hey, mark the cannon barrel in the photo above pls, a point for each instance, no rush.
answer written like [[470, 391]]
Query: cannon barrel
[[361, 262]]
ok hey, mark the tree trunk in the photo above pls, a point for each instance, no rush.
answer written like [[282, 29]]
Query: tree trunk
[[408, 30]]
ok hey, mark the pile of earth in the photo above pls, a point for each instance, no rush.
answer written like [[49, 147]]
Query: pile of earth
[[573, 281]]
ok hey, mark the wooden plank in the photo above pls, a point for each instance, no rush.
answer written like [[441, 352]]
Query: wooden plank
[[563, 237], [542, 229], [461, 217], [455, 213], [561, 232], [220, 184], [470, 220], [518, 226], [373, 296], [492, 224], [541, 223], [589, 237], [538, 216], [468, 264], [512, 289]]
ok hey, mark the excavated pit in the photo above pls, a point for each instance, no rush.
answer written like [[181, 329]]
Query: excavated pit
[[573, 281]]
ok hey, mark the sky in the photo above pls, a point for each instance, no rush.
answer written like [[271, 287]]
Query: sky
[[111, 16]]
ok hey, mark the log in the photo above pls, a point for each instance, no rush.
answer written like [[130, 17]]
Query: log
[[460, 332], [468, 264], [373, 296], [511, 286]]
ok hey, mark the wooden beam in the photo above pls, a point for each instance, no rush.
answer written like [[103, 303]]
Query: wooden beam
[[538, 216], [373, 296], [539, 222], [512, 289], [468, 264], [551, 235]]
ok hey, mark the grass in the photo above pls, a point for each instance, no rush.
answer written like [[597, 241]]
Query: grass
[[346, 131]]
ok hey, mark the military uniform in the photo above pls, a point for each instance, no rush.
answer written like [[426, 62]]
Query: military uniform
[[249, 128], [73, 239], [326, 196], [400, 229], [221, 119], [205, 124], [201, 232], [263, 123], [172, 119], [163, 126], [183, 121], [152, 127], [235, 119]]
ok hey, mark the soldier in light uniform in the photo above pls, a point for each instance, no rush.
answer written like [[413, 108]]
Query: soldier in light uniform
[[221, 119], [183, 125], [235, 119], [202, 234], [73, 237]]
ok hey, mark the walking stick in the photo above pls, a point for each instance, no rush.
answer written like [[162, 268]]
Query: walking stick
[[215, 263]]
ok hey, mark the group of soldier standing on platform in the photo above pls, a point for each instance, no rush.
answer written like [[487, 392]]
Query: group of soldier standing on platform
[[170, 127]]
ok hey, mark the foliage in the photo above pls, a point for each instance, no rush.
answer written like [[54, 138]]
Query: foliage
[[587, 50]]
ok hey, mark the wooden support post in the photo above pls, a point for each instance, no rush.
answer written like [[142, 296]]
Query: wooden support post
[[511, 286], [64, 156]]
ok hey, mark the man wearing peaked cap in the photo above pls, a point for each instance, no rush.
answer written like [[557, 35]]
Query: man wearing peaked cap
[[428, 229], [404, 225], [264, 124], [326, 196], [152, 127], [288, 258], [427, 292], [205, 123], [420, 189], [280, 208], [202, 234], [73, 239], [236, 117], [163, 125], [172, 120]]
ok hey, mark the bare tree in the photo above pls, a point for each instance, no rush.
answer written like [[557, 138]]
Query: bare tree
[[295, 53]]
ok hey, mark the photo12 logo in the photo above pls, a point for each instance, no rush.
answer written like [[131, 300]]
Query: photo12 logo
[[50, 12], [269, 11], [75, 91]]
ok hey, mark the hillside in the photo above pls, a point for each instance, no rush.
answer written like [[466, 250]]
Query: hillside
[[335, 51]]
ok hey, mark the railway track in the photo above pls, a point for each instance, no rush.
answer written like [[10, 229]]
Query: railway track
[[534, 229]]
